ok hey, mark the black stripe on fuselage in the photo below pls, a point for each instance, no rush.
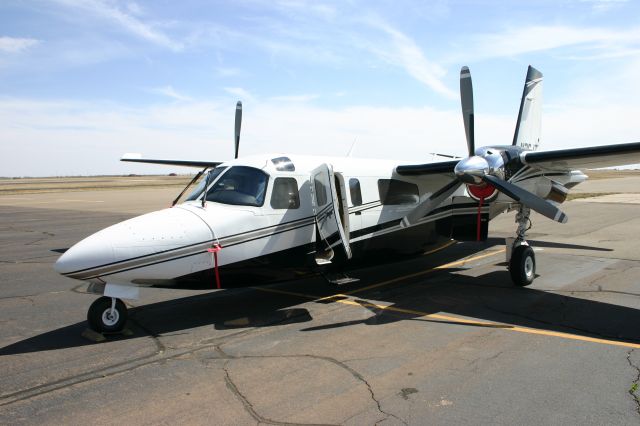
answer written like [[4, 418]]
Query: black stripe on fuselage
[[120, 265], [298, 262], [136, 258]]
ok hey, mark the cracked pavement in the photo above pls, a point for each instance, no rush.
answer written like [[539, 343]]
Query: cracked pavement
[[454, 346]]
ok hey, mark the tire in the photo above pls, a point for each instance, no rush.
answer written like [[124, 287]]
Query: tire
[[99, 319], [522, 266]]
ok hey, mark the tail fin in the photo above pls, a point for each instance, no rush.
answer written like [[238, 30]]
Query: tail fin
[[527, 134]]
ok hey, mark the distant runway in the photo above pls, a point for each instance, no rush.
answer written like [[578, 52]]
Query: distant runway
[[440, 339]]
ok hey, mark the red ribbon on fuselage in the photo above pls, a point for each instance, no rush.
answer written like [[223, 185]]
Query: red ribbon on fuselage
[[215, 249], [480, 201]]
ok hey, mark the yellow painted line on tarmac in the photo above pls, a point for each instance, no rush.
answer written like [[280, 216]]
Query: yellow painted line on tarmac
[[575, 337], [344, 299], [428, 271], [289, 293], [508, 327], [442, 247]]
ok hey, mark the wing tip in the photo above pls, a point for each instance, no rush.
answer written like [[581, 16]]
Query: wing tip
[[131, 156]]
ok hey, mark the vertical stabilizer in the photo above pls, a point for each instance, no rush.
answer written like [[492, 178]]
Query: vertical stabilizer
[[527, 134]]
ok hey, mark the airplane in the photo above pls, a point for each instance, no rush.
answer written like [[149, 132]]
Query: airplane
[[267, 218]]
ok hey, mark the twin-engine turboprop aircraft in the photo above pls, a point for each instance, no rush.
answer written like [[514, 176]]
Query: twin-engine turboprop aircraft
[[270, 217]]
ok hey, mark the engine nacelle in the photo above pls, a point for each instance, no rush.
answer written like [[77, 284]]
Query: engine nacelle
[[545, 188], [482, 191]]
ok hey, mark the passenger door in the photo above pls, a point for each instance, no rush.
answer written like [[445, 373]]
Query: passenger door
[[326, 209]]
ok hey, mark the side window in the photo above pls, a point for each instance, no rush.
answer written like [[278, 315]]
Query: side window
[[397, 192], [356, 193], [285, 194], [321, 190]]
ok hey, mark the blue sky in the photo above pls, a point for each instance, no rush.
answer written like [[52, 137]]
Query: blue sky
[[84, 81]]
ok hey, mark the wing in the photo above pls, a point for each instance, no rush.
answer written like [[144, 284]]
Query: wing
[[136, 158], [559, 160], [584, 158]]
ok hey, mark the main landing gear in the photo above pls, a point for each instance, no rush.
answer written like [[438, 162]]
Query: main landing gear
[[522, 264], [107, 315]]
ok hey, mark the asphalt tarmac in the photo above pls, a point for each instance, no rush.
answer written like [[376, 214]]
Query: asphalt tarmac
[[441, 339]]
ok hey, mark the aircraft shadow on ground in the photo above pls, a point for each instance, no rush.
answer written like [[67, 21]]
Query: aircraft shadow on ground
[[488, 298], [549, 244], [492, 298]]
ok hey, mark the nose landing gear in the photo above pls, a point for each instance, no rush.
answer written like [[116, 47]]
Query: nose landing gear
[[107, 315]]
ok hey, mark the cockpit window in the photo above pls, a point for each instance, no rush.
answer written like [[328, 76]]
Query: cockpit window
[[240, 186], [199, 189]]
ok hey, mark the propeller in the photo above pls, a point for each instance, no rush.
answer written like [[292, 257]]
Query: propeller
[[466, 99], [527, 198], [430, 203], [237, 127], [485, 168]]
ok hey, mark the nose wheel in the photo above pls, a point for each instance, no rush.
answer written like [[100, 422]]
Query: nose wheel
[[107, 315]]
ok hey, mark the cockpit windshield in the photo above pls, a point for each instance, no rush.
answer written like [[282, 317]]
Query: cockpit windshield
[[241, 186], [199, 189], [238, 185]]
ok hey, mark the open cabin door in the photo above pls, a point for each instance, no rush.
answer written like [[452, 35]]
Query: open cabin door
[[328, 208]]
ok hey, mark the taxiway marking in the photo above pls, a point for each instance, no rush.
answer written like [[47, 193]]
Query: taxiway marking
[[427, 271], [509, 327], [344, 299]]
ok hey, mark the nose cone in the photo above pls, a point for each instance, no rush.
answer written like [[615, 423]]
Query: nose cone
[[134, 243], [471, 169], [97, 249]]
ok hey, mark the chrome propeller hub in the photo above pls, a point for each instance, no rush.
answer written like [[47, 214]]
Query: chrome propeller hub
[[472, 169]]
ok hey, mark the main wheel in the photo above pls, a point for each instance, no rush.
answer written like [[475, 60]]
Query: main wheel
[[522, 266], [102, 320]]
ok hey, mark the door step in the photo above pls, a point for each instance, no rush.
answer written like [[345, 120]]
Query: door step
[[340, 279]]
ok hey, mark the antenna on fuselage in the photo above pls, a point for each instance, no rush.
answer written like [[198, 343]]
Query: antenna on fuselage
[[353, 145], [238, 124]]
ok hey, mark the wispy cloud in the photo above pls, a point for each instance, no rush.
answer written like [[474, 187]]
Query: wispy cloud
[[295, 98], [239, 92], [16, 45], [522, 40], [604, 5], [126, 20], [297, 7], [227, 71], [169, 92], [402, 50]]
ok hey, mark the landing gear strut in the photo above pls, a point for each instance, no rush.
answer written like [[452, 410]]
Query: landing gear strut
[[107, 315], [522, 265]]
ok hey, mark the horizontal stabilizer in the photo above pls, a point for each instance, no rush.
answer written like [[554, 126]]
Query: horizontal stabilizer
[[137, 158]]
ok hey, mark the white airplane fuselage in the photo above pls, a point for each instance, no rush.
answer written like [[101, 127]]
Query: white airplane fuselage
[[268, 218], [268, 241]]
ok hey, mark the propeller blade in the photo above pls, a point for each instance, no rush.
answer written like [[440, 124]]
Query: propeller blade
[[530, 200], [466, 99], [430, 203], [238, 124]]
